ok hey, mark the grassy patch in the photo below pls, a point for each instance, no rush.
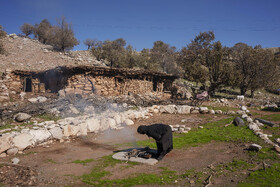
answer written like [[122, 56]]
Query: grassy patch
[[7, 126], [272, 117], [268, 177], [194, 175], [48, 117], [222, 108], [83, 162], [271, 109], [238, 165], [96, 177], [212, 131], [265, 153]]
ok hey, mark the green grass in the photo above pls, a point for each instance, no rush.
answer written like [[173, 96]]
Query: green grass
[[7, 126], [271, 109], [272, 117], [261, 177], [266, 153], [83, 162], [222, 108], [237, 165], [96, 177], [213, 131], [48, 117]]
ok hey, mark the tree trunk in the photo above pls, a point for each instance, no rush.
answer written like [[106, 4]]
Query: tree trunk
[[243, 90], [252, 93]]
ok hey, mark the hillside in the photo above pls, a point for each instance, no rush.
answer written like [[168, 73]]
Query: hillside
[[28, 54]]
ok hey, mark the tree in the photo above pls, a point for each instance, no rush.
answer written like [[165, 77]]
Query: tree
[[43, 32], [254, 68], [27, 29], [90, 42], [205, 60], [2, 35], [63, 36]]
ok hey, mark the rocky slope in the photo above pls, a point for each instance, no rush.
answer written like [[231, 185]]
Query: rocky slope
[[28, 54]]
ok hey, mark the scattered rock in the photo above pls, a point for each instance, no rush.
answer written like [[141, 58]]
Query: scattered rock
[[184, 109], [20, 117], [93, 125], [12, 151], [129, 122], [254, 147], [15, 161], [238, 122], [271, 124]]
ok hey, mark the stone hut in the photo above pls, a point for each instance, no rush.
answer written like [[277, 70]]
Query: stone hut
[[88, 80]]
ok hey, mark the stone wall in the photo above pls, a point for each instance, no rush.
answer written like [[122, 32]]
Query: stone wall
[[110, 86]]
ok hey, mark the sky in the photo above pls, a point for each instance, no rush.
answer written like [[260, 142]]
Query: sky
[[142, 22]]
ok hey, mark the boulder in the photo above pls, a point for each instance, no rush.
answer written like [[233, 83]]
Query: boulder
[[211, 111], [203, 110], [15, 161], [253, 126], [22, 141], [83, 129], [170, 109], [267, 122], [194, 112], [238, 122], [56, 133], [5, 143], [93, 125], [20, 117], [183, 109], [218, 112], [33, 100], [40, 136], [12, 151], [104, 125], [230, 112], [129, 122], [41, 99], [112, 123], [254, 147], [70, 130], [244, 108]]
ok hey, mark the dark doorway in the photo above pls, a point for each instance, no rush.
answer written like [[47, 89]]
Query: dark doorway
[[155, 85], [27, 85]]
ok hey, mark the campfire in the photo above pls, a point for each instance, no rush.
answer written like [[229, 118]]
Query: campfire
[[142, 153]]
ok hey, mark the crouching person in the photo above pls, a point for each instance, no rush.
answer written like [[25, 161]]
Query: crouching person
[[163, 136]]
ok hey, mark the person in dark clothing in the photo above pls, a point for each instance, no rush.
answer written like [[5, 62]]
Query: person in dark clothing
[[163, 136]]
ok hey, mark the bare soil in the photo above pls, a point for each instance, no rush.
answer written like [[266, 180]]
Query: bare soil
[[53, 165]]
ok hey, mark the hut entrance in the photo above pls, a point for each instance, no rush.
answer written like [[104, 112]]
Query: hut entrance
[[27, 87]]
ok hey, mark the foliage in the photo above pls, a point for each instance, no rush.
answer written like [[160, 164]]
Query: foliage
[[27, 29], [63, 36], [205, 60], [254, 68], [60, 36], [213, 131], [2, 35], [90, 42], [43, 31]]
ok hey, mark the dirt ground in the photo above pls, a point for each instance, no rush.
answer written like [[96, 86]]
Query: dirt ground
[[53, 165]]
